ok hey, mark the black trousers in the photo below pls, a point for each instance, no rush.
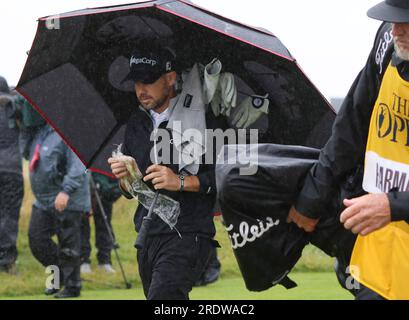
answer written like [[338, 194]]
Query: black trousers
[[169, 266], [358, 290], [103, 241], [66, 254], [213, 260], [11, 196]]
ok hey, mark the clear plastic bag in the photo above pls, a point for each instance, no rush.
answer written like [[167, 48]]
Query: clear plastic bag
[[165, 207]]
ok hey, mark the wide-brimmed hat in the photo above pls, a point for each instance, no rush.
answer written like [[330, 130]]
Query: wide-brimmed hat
[[395, 11]]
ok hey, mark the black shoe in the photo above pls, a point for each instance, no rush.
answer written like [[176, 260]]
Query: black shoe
[[211, 275], [68, 293], [49, 292], [199, 282]]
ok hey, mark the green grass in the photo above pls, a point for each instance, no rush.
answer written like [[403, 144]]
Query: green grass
[[312, 286], [313, 272]]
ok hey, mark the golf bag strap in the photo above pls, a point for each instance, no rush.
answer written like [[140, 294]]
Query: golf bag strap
[[288, 283]]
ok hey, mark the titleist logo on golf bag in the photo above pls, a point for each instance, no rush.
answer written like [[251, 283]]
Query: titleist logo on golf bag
[[383, 46], [143, 60], [250, 233]]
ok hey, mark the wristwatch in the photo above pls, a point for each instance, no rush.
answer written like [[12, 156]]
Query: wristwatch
[[182, 183]]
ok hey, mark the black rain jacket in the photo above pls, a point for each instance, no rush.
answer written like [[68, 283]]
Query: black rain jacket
[[344, 152]]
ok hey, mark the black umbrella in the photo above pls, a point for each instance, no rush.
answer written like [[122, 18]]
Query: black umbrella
[[73, 75]]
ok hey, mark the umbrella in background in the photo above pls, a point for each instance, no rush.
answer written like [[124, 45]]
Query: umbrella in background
[[74, 73]]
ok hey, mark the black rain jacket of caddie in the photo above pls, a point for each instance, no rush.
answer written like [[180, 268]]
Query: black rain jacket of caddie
[[345, 150]]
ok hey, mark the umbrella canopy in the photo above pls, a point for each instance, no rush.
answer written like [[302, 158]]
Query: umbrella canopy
[[74, 72]]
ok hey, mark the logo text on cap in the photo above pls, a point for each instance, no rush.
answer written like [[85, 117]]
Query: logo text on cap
[[143, 60]]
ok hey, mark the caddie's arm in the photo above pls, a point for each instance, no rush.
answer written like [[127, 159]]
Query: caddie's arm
[[345, 149], [399, 205], [372, 212]]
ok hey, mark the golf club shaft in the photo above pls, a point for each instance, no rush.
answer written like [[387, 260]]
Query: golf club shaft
[[143, 231], [110, 232]]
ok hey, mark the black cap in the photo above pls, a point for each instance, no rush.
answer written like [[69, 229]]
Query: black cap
[[148, 64], [395, 11]]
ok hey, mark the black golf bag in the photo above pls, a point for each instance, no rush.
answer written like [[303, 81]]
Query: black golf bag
[[257, 184]]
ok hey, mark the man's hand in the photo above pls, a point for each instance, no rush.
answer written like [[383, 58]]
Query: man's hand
[[366, 214], [118, 166], [61, 201], [301, 221], [162, 178]]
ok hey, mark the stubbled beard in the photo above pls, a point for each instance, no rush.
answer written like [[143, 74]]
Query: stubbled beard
[[403, 54], [157, 104]]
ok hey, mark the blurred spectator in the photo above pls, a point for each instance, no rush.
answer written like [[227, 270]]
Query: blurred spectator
[[109, 192], [11, 180], [61, 188]]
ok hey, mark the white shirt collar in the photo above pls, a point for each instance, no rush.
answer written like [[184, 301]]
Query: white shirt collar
[[158, 118]]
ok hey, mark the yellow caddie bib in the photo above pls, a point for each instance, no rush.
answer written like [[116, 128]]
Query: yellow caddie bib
[[380, 260]]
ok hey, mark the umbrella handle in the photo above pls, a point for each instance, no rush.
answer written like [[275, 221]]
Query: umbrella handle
[[146, 223]]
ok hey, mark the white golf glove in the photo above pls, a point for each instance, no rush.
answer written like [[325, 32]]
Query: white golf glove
[[250, 110], [225, 96], [211, 79]]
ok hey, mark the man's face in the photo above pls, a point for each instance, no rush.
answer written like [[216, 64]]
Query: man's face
[[400, 32], [154, 96]]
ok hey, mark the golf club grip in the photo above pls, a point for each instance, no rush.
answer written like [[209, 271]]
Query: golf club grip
[[143, 232]]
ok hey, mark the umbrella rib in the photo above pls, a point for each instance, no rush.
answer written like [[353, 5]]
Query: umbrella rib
[[149, 26], [263, 73]]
